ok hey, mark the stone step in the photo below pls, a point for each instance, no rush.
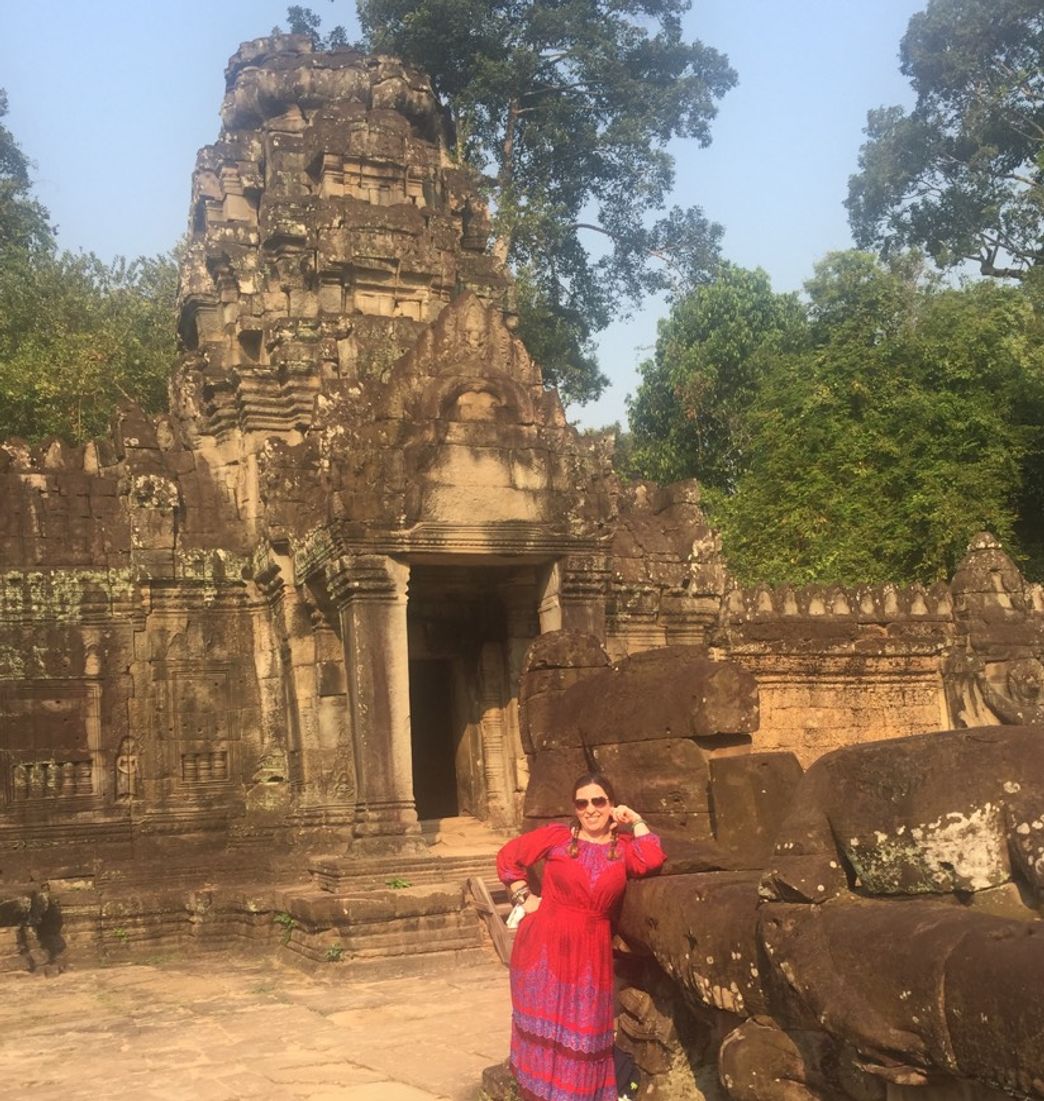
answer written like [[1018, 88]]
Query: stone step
[[368, 945], [342, 875], [462, 833]]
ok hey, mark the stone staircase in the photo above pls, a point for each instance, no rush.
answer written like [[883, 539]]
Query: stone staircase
[[407, 906]]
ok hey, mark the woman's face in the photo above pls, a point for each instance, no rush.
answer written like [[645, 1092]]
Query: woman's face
[[593, 808]]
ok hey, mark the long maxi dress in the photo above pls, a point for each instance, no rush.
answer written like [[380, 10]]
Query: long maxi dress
[[562, 962]]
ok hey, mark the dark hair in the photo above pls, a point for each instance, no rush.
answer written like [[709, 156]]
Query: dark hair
[[595, 778], [606, 785]]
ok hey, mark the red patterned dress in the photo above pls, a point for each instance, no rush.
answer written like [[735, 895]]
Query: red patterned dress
[[562, 962]]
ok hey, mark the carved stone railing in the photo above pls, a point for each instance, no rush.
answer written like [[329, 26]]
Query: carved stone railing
[[858, 604]]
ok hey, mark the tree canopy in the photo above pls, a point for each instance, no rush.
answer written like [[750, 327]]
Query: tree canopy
[[689, 414], [566, 111], [77, 335], [879, 429], [962, 174]]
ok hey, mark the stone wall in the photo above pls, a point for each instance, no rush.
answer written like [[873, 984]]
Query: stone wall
[[840, 666]]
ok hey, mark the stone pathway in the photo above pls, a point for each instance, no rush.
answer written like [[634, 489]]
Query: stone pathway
[[221, 1029]]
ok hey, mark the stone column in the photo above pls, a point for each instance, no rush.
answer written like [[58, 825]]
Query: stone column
[[527, 596], [370, 592], [493, 703]]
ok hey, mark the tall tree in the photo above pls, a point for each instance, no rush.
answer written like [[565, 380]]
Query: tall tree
[[302, 20], [566, 110], [76, 335], [962, 174], [24, 223]]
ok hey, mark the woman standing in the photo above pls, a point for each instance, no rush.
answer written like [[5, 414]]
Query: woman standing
[[562, 963]]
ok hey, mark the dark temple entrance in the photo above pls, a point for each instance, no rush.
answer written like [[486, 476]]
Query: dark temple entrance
[[468, 629], [432, 737]]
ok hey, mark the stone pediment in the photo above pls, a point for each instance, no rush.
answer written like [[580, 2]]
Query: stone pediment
[[468, 367]]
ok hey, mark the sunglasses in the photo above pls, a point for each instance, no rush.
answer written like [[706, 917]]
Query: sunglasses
[[599, 801]]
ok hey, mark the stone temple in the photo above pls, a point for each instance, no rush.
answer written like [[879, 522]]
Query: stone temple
[[302, 600], [365, 578]]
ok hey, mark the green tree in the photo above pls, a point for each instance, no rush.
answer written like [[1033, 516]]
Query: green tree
[[962, 174], [566, 111], [689, 414], [910, 421], [24, 223], [76, 335]]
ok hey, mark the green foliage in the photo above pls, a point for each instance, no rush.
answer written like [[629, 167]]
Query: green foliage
[[566, 111], [962, 174], [77, 335], [688, 415], [287, 922], [559, 340], [25, 226], [397, 883], [878, 432], [302, 20], [334, 953]]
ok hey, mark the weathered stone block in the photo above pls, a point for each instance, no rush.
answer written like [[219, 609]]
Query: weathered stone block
[[668, 776], [702, 929], [551, 776], [916, 815], [675, 691], [994, 1012], [750, 798]]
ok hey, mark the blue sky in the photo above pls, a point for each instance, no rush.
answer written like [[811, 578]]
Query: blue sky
[[112, 99]]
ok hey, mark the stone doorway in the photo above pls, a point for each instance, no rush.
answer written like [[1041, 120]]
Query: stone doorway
[[468, 628]]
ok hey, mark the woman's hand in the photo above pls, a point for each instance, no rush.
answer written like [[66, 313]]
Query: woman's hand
[[624, 816], [531, 904]]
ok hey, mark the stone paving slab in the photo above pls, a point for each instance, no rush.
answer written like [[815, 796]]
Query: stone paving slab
[[234, 1029]]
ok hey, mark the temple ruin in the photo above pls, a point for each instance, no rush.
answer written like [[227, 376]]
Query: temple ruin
[[365, 577]]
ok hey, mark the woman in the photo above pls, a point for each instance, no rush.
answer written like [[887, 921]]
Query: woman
[[562, 963]]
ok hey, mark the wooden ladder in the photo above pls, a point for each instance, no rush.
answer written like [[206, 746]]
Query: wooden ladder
[[491, 913]]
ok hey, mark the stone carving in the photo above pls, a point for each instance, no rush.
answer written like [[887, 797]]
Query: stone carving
[[30, 913], [126, 786], [995, 672]]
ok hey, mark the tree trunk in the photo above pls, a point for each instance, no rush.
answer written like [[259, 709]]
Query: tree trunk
[[502, 240]]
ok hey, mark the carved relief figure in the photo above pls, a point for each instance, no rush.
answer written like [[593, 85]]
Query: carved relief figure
[[127, 779]]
